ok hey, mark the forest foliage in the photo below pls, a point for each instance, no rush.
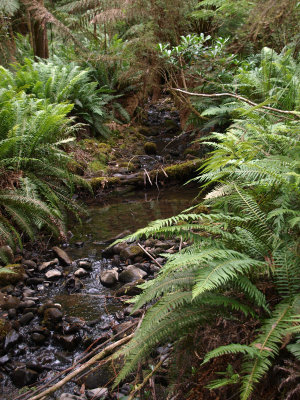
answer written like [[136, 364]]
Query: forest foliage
[[68, 64]]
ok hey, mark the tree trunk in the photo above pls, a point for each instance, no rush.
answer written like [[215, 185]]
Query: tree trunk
[[40, 38]]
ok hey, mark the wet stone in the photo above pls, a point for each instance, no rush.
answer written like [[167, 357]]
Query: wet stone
[[53, 274], [109, 277], [26, 318], [48, 264], [68, 396], [62, 255], [38, 338], [23, 376], [81, 272], [85, 264], [11, 339], [131, 274], [68, 342], [29, 263], [52, 316], [130, 289], [4, 359], [100, 393]]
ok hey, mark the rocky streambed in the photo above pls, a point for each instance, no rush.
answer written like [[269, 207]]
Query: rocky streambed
[[70, 299]]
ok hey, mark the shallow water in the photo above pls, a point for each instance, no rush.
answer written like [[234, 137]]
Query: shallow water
[[131, 212]]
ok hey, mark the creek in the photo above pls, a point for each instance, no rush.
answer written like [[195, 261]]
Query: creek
[[93, 307]]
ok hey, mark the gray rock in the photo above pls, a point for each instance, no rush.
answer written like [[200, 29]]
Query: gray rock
[[109, 277], [80, 272], [100, 393], [62, 255], [131, 274], [48, 264], [53, 274]]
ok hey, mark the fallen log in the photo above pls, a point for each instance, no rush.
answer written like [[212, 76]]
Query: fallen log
[[172, 173]]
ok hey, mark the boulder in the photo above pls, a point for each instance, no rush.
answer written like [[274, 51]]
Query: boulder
[[109, 278], [62, 255], [131, 274], [53, 274]]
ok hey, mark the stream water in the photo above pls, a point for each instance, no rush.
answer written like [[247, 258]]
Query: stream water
[[106, 221]]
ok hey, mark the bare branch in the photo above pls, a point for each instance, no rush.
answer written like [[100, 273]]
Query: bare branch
[[241, 98]]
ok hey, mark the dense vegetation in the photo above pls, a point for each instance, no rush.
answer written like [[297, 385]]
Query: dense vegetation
[[233, 71]]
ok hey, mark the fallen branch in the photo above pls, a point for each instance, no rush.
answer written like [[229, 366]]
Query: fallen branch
[[83, 367], [241, 98]]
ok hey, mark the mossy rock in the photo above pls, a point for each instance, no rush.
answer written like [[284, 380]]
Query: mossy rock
[[150, 148], [16, 274], [5, 327]]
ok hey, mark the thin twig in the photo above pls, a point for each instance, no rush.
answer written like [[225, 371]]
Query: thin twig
[[146, 379], [149, 255]]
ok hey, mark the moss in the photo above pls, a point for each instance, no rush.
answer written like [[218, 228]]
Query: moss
[[150, 148], [8, 278], [97, 166], [75, 167], [5, 327], [183, 170], [94, 147]]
